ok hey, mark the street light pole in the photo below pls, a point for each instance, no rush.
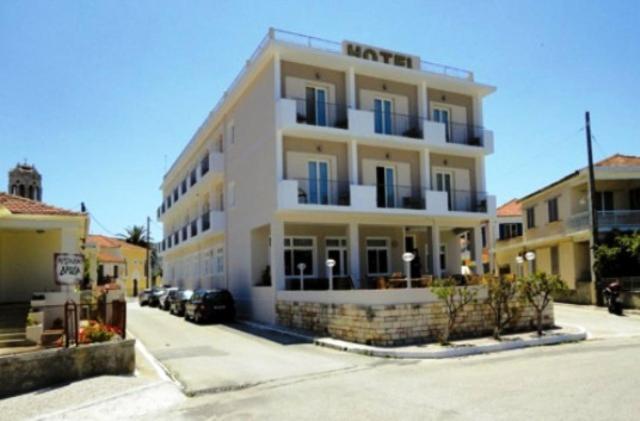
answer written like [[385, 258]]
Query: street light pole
[[330, 264], [408, 258]]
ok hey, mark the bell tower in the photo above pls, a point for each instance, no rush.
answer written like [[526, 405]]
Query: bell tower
[[25, 181]]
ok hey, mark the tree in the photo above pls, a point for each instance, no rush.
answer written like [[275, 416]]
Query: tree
[[454, 299], [538, 290], [618, 255], [137, 235], [502, 298]]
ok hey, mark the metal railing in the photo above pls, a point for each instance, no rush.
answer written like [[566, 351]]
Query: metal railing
[[407, 125], [464, 134], [318, 113], [328, 192], [628, 283], [621, 219], [467, 201], [398, 196]]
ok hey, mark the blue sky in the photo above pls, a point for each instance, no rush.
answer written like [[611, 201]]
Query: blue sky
[[102, 96]]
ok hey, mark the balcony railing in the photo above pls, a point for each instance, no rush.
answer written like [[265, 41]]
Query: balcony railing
[[464, 134], [615, 219], [317, 113], [467, 201], [323, 192], [401, 197], [397, 124]]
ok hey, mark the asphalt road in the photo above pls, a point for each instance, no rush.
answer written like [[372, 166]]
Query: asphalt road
[[279, 378]]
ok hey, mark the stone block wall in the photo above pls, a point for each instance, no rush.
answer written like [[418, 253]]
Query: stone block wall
[[396, 324]]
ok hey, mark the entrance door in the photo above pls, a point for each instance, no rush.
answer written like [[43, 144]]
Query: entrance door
[[409, 243], [385, 187], [442, 115], [316, 105], [444, 182], [318, 182]]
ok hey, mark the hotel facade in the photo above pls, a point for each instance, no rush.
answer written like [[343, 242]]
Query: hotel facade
[[323, 150]]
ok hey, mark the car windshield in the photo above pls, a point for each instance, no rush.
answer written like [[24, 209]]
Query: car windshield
[[187, 294]]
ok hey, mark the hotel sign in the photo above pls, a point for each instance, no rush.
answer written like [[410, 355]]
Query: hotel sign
[[367, 52], [69, 268]]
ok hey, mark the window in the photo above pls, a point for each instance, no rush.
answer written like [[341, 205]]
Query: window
[[382, 108], [299, 250], [204, 165], [604, 201], [175, 195], [552, 206], [531, 218], [483, 232], [510, 230], [385, 187], [169, 202], [336, 249], [176, 238], [194, 227], [634, 199], [184, 232], [183, 186], [193, 177], [555, 260], [220, 260], [232, 195], [444, 182], [377, 256], [316, 105], [116, 269], [318, 182]]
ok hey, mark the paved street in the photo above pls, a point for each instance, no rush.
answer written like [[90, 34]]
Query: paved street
[[293, 380]]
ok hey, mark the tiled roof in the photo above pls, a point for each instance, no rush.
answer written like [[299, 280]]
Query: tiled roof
[[511, 208], [21, 206], [619, 160], [129, 245], [103, 241], [109, 258]]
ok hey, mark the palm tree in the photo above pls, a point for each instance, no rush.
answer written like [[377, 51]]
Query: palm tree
[[137, 235]]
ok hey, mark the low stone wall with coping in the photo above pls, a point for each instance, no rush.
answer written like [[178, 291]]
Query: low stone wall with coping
[[417, 316], [20, 373]]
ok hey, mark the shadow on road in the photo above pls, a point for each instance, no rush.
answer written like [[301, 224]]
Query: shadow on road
[[266, 334]]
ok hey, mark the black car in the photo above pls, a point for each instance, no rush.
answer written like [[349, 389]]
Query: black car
[[154, 296], [178, 300], [144, 297], [210, 305]]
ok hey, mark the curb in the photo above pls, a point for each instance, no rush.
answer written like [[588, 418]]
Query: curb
[[374, 351]]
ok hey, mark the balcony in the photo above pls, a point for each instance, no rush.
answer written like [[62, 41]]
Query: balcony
[[623, 220], [316, 192], [210, 223], [317, 113]]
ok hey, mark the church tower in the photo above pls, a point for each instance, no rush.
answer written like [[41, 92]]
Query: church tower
[[25, 181]]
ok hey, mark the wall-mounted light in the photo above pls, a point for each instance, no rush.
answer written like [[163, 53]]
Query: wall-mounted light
[[387, 155], [317, 75], [319, 148], [384, 86], [444, 97], [39, 231], [446, 162]]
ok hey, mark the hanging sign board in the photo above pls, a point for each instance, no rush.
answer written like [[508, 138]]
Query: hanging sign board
[[368, 52], [69, 268]]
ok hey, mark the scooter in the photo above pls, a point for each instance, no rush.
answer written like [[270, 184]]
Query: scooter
[[612, 298]]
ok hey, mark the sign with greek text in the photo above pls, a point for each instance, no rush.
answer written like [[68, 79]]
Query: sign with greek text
[[69, 268]]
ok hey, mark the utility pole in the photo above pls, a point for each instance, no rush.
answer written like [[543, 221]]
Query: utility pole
[[593, 211], [148, 253]]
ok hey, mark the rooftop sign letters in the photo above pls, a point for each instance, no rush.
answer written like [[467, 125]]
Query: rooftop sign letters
[[69, 268], [368, 52]]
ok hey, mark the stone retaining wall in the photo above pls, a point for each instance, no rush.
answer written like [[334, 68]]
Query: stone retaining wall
[[20, 373], [396, 324]]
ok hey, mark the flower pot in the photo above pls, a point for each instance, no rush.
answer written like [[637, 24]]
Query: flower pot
[[34, 333]]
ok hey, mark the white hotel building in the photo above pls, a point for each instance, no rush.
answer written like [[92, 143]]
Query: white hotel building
[[327, 150]]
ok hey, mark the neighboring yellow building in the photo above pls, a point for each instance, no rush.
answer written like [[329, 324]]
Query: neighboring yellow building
[[115, 260], [556, 225], [31, 233]]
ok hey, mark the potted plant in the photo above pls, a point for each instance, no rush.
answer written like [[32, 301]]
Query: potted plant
[[34, 328]]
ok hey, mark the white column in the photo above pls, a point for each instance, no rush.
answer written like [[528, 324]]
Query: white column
[[477, 248], [435, 246], [354, 253], [279, 157], [425, 169], [353, 162], [422, 100], [277, 255], [351, 88], [277, 91]]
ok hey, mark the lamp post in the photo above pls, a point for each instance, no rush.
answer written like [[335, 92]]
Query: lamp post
[[301, 268], [530, 256], [408, 258], [520, 261], [330, 264]]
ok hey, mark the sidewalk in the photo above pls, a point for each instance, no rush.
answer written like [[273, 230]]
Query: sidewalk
[[564, 334]]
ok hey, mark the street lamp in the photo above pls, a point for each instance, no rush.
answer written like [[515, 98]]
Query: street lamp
[[530, 256], [330, 264], [408, 258], [301, 268], [520, 261]]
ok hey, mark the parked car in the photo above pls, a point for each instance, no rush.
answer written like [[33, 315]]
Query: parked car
[[178, 301], [143, 297], [163, 302], [154, 296], [210, 305]]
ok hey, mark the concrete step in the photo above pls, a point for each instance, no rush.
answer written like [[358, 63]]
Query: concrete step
[[20, 334], [12, 343]]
